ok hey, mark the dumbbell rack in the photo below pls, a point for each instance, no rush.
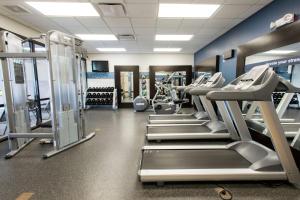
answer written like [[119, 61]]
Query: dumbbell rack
[[104, 97], [277, 96]]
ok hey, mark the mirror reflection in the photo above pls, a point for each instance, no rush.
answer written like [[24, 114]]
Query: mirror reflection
[[285, 61], [127, 90], [177, 79]]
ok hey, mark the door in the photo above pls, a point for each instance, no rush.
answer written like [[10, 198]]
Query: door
[[127, 84]]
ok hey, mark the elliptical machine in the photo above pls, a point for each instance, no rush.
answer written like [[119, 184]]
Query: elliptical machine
[[169, 103], [165, 100]]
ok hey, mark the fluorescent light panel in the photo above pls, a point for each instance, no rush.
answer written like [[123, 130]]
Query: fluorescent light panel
[[96, 37], [64, 9], [173, 37], [280, 52], [36, 48], [187, 10], [112, 49], [167, 49]]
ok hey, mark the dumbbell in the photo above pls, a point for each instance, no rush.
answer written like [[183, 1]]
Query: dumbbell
[[98, 101], [88, 102]]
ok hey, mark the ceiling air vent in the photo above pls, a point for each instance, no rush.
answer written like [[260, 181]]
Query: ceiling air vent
[[16, 9], [126, 37], [112, 9]]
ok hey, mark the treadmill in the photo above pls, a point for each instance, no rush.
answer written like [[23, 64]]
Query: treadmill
[[196, 117], [290, 126], [244, 160], [212, 129]]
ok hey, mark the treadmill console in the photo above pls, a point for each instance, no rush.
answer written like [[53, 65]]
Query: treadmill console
[[249, 78], [199, 80], [212, 80]]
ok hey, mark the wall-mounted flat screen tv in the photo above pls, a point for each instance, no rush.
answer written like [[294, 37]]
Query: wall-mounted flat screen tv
[[100, 66]]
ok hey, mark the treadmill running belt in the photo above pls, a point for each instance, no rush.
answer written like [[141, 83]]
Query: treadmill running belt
[[175, 117], [179, 129], [193, 159]]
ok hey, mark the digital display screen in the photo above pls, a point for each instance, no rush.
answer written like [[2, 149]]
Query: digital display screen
[[100, 66]]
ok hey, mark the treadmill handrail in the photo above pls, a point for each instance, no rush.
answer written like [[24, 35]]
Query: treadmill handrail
[[260, 92]]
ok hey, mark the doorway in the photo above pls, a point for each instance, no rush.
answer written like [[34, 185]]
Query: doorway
[[127, 84], [156, 73]]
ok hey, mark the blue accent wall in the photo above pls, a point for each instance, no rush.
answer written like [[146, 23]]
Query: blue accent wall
[[228, 68], [254, 26]]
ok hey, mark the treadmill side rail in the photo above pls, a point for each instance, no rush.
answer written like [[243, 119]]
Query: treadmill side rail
[[242, 174]]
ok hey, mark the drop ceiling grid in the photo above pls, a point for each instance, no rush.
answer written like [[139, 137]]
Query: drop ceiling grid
[[142, 21]]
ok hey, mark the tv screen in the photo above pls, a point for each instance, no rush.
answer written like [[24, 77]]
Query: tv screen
[[100, 66]]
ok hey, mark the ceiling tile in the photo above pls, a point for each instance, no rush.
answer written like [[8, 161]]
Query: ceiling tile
[[253, 9], [170, 23], [143, 22], [77, 30], [141, 1], [265, 2], [122, 30], [43, 23], [66, 21], [240, 2], [192, 23], [91, 21], [99, 30], [231, 11], [129, 43], [145, 31], [93, 44], [142, 10], [188, 30], [210, 1], [110, 44], [118, 22], [176, 1], [167, 30], [219, 23], [145, 38]]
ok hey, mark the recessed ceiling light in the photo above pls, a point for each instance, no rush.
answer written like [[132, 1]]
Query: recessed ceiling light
[[280, 52], [173, 37], [111, 49], [64, 9], [167, 49], [97, 37], [187, 10]]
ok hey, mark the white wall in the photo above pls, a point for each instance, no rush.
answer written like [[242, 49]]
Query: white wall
[[16, 27], [143, 60]]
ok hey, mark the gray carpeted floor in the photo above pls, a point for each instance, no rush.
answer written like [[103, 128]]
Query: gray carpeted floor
[[106, 168]]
